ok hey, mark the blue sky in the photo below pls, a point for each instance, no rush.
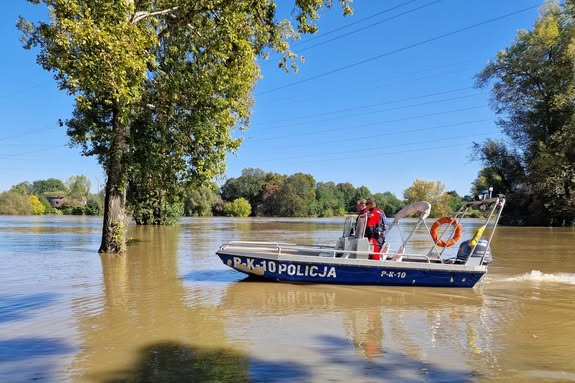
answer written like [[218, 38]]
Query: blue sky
[[382, 99]]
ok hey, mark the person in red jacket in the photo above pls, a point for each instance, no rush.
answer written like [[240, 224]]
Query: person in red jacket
[[373, 219]]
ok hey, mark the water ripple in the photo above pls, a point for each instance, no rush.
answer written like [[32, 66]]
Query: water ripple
[[13, 308]]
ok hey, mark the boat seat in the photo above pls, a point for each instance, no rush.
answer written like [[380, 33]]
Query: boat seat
[[363, 247]]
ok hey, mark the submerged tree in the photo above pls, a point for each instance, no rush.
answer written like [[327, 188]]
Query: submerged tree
[[201, 201], [534, 93], [183, 70]]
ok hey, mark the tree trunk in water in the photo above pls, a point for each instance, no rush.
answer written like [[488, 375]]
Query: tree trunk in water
[[115, 220]]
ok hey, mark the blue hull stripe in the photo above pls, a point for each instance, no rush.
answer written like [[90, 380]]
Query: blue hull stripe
[[310, 272]]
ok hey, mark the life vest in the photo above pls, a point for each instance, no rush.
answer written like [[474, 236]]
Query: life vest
[[377, 232], [381, 225]]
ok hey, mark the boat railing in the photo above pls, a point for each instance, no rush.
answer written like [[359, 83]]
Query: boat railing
[[491, 220], [326, 251], [267, 244], [349, 245]]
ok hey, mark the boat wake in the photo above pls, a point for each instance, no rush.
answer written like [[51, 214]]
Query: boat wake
[[538, 276]]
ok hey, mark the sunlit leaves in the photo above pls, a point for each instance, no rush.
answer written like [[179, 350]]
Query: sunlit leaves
[[161, 86], [432, 192], [534, 92]]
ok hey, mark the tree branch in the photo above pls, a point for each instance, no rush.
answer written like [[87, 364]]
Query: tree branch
[[139, 16]]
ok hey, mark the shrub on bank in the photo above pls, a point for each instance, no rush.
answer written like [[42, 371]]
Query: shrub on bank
[[12, 203], [240, 207]]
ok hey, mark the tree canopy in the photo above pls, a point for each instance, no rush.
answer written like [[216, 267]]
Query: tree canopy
[[432, 192], [160, 86], [533, 92]]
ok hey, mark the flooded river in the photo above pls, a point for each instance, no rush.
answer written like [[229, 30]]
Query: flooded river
[[170, 311]]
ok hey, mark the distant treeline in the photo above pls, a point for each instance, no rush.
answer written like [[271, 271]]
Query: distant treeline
[[254, 193], [52, 196], [268, 194], [299, 195]]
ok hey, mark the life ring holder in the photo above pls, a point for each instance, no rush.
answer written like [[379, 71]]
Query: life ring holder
[[456, 235]]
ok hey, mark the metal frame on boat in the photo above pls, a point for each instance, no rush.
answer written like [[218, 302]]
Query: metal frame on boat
[[348, 261]]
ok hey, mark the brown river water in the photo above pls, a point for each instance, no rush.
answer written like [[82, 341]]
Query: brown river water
[[170, 311]]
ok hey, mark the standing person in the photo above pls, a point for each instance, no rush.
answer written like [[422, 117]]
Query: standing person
[[371, 230]]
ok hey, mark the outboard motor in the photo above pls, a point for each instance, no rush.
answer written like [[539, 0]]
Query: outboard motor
[[482, 248]]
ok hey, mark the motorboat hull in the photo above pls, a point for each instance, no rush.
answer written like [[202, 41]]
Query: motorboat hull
[[317, 269], [353, 260]]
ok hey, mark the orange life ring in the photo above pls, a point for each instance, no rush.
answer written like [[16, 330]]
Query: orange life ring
[[441, 221]]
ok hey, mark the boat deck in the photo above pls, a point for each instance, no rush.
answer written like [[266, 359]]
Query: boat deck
[[327, 251]]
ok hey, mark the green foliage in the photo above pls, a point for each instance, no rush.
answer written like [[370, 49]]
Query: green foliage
[[533, 89], [200, 201], [24, 188], [330, 199], [270, 195], [296, 198], [155, 207], [48, 209], [388, 202], [78, 200], [240, 207], [248, 185], [455, 201], [432, 192], [78, 190], [160, 86], [349, 195], [50, 186], [95, 205], [361, 192], [13, 203]]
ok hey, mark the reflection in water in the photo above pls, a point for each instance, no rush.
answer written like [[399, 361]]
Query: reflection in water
[[383, 329], [169, 311], [366, 332], [144, 329]]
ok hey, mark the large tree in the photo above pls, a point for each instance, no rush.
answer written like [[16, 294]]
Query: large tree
[[185, 67], [388, 202], [51, 185], [432, 192], [296, 198], [533, 91], [270, 195], [78, 189], [349, 195], [330, 200], [201, 201], [249, 186]]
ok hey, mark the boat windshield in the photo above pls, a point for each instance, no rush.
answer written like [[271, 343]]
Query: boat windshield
[[354, 226]]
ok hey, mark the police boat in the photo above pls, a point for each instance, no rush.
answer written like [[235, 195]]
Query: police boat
[[417, 255]]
